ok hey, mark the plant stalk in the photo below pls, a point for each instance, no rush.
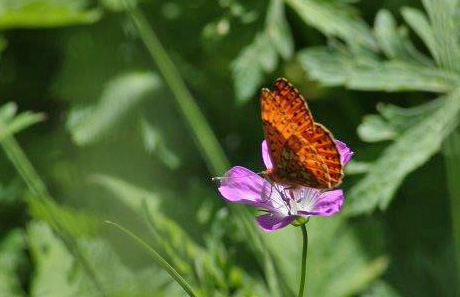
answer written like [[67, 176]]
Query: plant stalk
[[304, 260], [451, 152], [209, 146]]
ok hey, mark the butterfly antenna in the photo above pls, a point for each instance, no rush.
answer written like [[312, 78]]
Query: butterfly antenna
[[220, 178]]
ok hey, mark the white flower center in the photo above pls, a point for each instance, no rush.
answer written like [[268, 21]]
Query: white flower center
[[291, 201]]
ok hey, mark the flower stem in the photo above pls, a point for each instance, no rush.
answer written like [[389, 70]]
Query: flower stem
[[304, 260]]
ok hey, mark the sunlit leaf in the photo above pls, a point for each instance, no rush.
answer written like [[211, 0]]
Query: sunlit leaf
[[418, 22], [334, 68], [45, 13], [335, 20], [443, 15], [394, 41], [409, 151], [120, 95], [374, 129]]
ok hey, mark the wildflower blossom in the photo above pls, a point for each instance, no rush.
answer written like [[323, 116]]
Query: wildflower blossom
[[283, 205]]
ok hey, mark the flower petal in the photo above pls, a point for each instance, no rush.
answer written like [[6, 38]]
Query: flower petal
[[242, 185], [326, 204], [345, 152], [266, 155], [273, 221]]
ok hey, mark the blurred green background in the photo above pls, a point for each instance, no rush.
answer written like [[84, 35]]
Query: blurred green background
[[123, 110]]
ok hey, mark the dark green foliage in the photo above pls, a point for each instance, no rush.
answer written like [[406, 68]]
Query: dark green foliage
[[122, 110]]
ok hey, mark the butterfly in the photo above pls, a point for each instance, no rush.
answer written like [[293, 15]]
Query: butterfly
[[303, 152]]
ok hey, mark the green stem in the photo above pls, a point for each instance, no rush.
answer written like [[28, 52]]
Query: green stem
[[159, 260], [451, 152], [304, 260], [207, 142]]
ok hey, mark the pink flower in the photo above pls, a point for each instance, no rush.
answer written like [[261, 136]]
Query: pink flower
[[283, 205]]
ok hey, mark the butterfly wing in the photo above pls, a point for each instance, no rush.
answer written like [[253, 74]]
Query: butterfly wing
[[302, 151]]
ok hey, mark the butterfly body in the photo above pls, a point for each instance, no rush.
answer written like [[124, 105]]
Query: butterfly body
[[302, 151]]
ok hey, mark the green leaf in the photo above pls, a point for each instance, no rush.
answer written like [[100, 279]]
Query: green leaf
[[261, 56], [120, 95], [58, 275], [443, 16], [278, 30], [76, 223], [250, 65], [410, 151], [11, 256], [357, 167], [335, 21], [381, 289], [10, 123], [419, 23], [154, 143], [334, 68], [336, 265], [395, 42], [375, 129], [44, 13]]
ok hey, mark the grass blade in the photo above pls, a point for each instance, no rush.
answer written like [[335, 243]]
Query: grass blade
[[158, 259]]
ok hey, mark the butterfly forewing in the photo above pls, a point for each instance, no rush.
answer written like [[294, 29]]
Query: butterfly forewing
[[303, 152]]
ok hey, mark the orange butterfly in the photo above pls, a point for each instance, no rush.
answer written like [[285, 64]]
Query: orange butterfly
[[302, 151]]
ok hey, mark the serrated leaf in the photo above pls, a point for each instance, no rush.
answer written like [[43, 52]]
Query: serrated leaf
[[120, 95], [444, 22], [395, 42], [334, 68], [335, 20], [419, 23], [45, 13], [394, 120], [403, 118], [410, 151]]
